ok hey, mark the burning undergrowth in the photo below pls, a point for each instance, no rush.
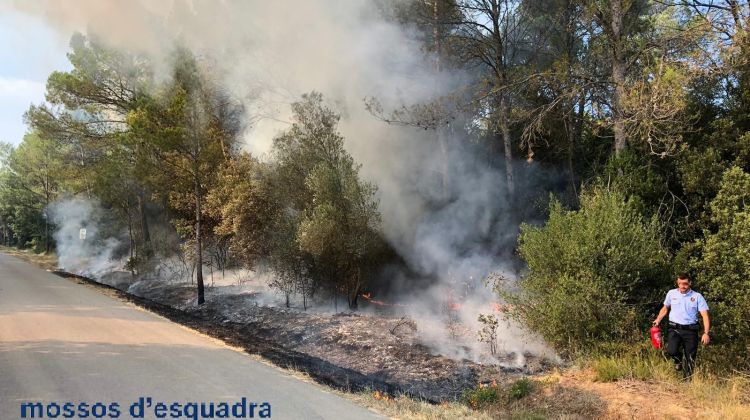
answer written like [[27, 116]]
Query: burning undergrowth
[[432, 356], [433, 343]]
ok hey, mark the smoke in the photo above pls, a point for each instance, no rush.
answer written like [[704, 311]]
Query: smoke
[[83, 247], [445, 209], [453, 331]]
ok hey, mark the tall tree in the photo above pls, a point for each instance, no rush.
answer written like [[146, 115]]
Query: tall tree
[[332, 213], [619, 22], [186, 140], [87, 110], [493, 33], [36, 171], [558, 94]]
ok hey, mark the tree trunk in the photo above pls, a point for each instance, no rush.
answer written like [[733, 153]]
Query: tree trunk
[[47, 200], [146, 245], [507, 143], [353, 294], [575, 130], [353, 297], [132, 239], [618, 77], [501, 76], [198, 244], [46, 231]]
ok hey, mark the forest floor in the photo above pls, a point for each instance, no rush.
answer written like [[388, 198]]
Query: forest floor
[[378, 362], [350, 351]]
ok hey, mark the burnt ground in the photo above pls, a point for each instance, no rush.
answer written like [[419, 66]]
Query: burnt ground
[[348, 351]]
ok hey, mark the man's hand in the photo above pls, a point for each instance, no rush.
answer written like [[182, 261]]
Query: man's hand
[[662, 313], [705, 339]]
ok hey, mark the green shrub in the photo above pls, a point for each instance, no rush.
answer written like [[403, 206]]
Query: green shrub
[[723, 267], [519, 389], [481, 396], [592, 273]]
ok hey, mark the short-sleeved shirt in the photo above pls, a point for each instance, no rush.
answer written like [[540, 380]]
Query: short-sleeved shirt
[[684, 308]]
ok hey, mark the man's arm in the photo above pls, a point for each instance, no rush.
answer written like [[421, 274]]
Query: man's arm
[[706, 327], [662, 313]]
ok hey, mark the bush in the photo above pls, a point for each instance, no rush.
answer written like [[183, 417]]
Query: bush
[[519, 389], [723, 266], [593, 274], [484, 395], [481, 396]]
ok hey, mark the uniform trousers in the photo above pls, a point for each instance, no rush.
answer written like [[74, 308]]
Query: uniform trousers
[[683, 342]]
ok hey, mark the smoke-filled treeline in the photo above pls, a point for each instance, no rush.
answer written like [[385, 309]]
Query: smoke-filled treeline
[[634, 113], [111, 133]]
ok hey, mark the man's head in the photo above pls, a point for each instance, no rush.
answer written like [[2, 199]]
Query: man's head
[[683, 282]]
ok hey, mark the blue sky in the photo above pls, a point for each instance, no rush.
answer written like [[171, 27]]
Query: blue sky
[[30, 51]]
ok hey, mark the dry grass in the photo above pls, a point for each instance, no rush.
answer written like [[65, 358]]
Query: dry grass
[[725, 398], [545, 399], [45, 261], [648, 387], [649, 367], [410, 409], [577, 394]]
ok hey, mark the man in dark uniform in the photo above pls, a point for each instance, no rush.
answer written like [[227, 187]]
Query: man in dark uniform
[[683, 305]]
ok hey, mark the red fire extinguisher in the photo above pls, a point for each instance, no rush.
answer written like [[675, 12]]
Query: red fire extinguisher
[[656, 337]]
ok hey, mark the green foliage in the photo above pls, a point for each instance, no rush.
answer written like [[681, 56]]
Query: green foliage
[[481, 396], [701, 171], [520, 389], [723, 266], [331, 216], [243, 206], [636, 178], [589, 272], [184, 141], [30, 181]]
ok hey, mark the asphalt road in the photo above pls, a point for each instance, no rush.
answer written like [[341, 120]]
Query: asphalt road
[[65, 342]]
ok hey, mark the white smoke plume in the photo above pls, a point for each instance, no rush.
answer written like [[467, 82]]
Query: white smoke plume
[[82, 247], [268, 54]]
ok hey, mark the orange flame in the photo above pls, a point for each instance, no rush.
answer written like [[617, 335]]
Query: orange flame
[[381, 396], [368, 297]]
